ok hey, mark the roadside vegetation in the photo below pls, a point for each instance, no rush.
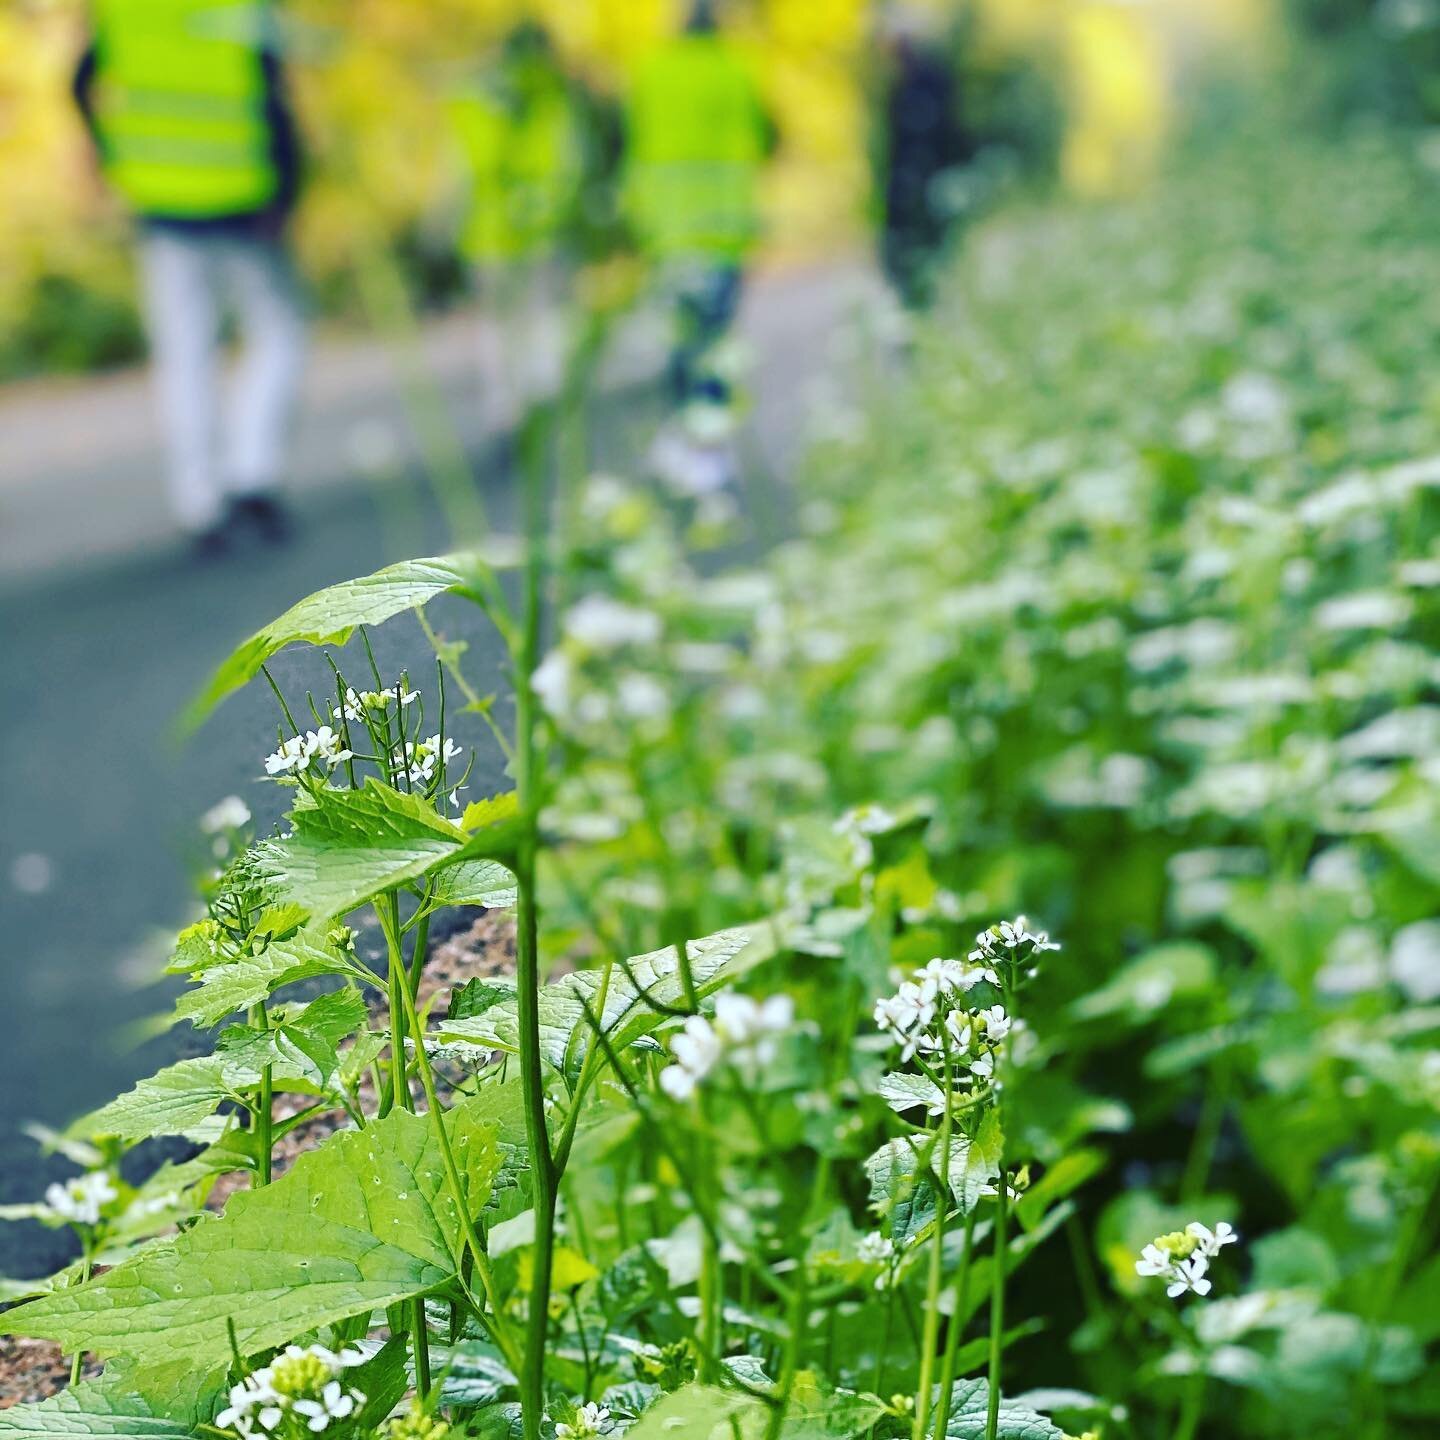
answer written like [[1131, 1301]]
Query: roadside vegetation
[[1118, 612]]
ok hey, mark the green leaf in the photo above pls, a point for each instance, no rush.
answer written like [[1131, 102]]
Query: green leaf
[[969, 1402], [349, 846], [626, 1016], [698, 1412], [228, 988], [181, 1099], [93, 1409], [353, 845], [331, 616], [974, 1163], [975, 1160], [902, 1091], [475, 882], [360, 1223], [895, 1192], [816, 1413], [1066, 1175], [1146, 985]]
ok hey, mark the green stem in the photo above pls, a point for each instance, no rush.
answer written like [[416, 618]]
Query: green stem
[[960, 1302], [265, 1110], [1207, 1131], [419, 946], [799, 1304], [998, 1276], [397, 983], [496, 1320], [997, 1302], [931, 1335], [885, 1328], [420, 1345], [1192, 1408], [527, 941], [77, 1363], [1371, 1397]]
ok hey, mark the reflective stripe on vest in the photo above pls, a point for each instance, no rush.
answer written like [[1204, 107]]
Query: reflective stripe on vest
[[181, 105], [696, 146]]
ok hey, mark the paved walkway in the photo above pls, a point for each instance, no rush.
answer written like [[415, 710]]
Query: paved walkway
[[81, 466]]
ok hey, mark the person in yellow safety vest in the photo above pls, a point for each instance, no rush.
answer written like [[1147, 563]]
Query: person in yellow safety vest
[[518, 137], [697, 138], [184, 101]]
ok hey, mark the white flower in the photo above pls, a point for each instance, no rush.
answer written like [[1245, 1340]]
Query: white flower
[[335, 1403], [1182, 1258], [1209, 1243], [600, 623], [79, 1201], [949, 976], [996, 1022], [743, 1034], [1009, 935], [422, 758], [591, 1419], [906, 1015], [876, 1249], [296, 753], [231, 813], [290, 756], [552, 681], [697, 1050], [324, 744], [304, 1382], [642, 697], [359, 703]]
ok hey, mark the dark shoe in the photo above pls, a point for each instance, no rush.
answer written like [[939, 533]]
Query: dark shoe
[[267, 516]]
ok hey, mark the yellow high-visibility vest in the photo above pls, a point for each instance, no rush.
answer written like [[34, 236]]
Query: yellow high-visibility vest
[[696, 145], [180, 93], [524, 166]]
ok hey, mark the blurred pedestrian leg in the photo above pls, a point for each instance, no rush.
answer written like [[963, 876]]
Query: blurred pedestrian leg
[[706, 299], [191, 279], [925, 146], [185, 103], [696, 141]]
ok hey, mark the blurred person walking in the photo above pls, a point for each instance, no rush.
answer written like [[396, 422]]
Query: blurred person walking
[[922, 146], [185, 103], [519, 136], [697, 138]]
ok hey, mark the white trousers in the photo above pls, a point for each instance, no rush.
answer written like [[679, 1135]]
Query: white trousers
[[237, 446]]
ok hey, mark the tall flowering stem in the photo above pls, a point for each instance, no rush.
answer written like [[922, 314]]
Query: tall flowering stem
[[528, 785], [960, 1049]]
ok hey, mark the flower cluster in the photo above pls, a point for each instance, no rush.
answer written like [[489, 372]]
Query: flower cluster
[[302, 1386], [361, 704], [416, 1424], [296, 754], [80, 1201], [743, 1034], [591, 1419], [1183, 1257], [923, 1018], [422, 756], [231, 813], [1009, 945]]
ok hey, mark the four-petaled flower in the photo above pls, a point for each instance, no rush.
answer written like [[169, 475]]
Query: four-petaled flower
[[591, 1419], [743, 1034], [1182, 1258]]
